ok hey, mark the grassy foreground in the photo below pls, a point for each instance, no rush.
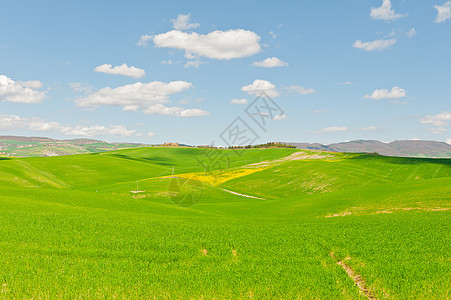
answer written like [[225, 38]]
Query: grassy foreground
[[320, 225]]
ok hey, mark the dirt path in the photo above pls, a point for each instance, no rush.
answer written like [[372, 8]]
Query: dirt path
[[242, 195], [359, 281]]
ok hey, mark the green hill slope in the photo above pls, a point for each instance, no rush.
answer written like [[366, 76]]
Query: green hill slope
[[320, 225]]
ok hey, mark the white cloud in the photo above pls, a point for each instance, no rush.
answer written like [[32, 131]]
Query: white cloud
[[261, 86], [448, 141], [183, 23], [378, 45], [144, 40], [443, 12], [438, 130], [346, 83], [98, 130], [20, 91], [320, 111], [270, 62], [238, 101], [121, 70], [331, 129], [150, 97], [32, 84], [396, 101], [395, 93], [150, 134], [167, 62], [299, 89], [369, 128], [218, 44], [280, 117], [272, 34], [385, 12], [13, 122], [440, 119], [194, 63], [81, 87], [194, 112], [411, 33]]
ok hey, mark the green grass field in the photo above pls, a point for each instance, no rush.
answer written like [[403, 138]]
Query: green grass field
[[320, 225]]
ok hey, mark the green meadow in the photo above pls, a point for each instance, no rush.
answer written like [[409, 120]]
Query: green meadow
[[190, 223]]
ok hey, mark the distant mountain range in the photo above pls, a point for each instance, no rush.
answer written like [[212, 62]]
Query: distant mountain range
[[19, 146], [410, 148]]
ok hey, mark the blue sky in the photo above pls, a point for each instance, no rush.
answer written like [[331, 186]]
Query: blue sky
[[340, 70]]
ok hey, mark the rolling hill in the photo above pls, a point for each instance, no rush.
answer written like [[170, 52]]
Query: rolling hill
[[209, 223]]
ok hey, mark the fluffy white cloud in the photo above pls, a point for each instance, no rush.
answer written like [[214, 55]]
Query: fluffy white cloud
[[299, 89], [346, 83], [270, 62], [331, 129], [411, 33], [239, 101], [183, 23], [218, 44], [121, 70], [438, 130], [261, 86], [378, 45], [369, 128], [13, 122], [280, 117], [395, 93], [443, 12], [448, 141], [20, 91], [440, 119], [150, 97], [385, 12]]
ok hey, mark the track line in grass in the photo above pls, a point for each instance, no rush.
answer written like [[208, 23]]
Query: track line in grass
[[436, 172], [357, 278], [242, 195]]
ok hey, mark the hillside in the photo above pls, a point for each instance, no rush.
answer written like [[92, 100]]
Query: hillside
[[190, 223], [18, 146], [408, 148]]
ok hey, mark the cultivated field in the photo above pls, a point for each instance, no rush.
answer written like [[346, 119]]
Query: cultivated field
[[272, 223]]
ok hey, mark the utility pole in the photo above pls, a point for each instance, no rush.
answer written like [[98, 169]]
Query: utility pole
[[261, 158], [137, 189]]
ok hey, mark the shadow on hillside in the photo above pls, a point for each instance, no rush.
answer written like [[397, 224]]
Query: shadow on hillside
[[156, 160], [5, 158], [403, 160]]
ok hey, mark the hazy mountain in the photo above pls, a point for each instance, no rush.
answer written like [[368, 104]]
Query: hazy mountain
[[396, 148], [20, 146]]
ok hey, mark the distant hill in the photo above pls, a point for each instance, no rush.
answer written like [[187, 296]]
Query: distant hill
[[409, 148], [19, 146]]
